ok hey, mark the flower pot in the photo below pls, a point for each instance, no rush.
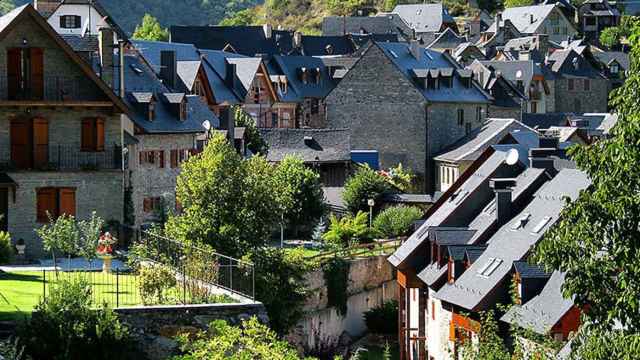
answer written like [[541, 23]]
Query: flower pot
[[20, 249], [106, 262]]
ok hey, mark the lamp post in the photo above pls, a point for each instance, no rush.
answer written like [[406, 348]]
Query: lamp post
[[371, 203]]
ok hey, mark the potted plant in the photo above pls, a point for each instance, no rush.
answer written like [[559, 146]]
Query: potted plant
[[105, 250], [20, 246]]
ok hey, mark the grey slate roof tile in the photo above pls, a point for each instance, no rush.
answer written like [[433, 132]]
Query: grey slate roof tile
[[312, 145], [424, 17]]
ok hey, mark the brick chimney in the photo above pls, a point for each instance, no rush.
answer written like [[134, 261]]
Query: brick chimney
[[504, 193], [106, 45], [46, 7], [169, 68]]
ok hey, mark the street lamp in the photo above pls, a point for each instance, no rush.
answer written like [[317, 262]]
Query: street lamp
[[371, 203]]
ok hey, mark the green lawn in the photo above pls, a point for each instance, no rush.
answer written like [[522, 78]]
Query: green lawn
[[21, 291]]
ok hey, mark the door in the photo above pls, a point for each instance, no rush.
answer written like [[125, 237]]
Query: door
[[37, 73], [21, 144], [40, 142], [14, 72], [4, 209]]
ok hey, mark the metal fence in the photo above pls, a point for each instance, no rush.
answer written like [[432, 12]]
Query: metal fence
[[62, 157], [54, 88]]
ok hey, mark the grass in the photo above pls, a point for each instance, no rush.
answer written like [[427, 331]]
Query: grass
[[374, 352], [21, 291]]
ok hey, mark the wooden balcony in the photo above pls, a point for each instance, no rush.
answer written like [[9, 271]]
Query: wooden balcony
[[59, 158], [47, 92]]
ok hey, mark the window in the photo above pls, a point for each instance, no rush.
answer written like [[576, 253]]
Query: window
[[152, 157], [315, 106], [460, 117], [70, 22], [173, 159], [615, 69], [467, 128], [590, 21], [478, 114], [587, 85], [534, 107], [152, 110], [490, 267], [25, 73], [151, 204], [92, 137], [571, 85], [433, 310], [55, 202], [286, 120]]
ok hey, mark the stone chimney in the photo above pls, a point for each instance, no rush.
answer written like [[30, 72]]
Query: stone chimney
[[46, 7], [268, 31], [228, 122], [498, 20], [169, 68], [540, 158], [106, 45], [297, 40], [504, 193], [230, 74], [415, 49], [542, 43], [524, 55]]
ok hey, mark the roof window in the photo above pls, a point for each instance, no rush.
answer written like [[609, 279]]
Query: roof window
[[136, 69], [521, 222], [541, 224], [393, 53], [490, 267]]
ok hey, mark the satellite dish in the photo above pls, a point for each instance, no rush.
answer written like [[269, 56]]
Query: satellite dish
[[519, 74], [206, 125], [512, 157]]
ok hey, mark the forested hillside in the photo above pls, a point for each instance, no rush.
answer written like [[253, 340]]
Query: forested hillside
[[128, 13]]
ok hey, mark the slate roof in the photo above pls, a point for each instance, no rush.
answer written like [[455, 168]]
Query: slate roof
[[290, 66], [523, 70], [402, 58], [492, 132], [245, 40], [424, 17], [79, 43], [141, 83], [607, 57], [246, 69], [562, 63], [313, 145], [544, 311], [188, 72], [448, 39], [530, 271], [520, 17], [508, 245], [327, 45], [545, 121], [385, 24], [409, 198]]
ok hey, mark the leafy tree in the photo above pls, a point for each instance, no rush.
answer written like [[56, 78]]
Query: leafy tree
[[517, 3], [59, 236], [88, 235], [228, 203], [150, 29], [6, 249], [6, 6], [255, 142], [251, 340], [397, 221], [300, 192], [344, 7], [349, 229], [365, 184], [242, 17], [596, 239], [490, 345], [610, 37]]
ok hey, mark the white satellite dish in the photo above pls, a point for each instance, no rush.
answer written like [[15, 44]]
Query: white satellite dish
[[519, 74], [512, 157], [206, 125]]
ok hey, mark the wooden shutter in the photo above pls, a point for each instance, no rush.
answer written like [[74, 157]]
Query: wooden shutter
[[40, 142], [174, 159], [68, 201], [161, 159], [14, 73], [99, 132], [141, 156], [37, 73], [46, 203], [147, 205], [88, 135], [20, 138]]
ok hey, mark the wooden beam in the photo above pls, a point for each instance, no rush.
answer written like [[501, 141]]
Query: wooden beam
[[422, 331], [401, 320]]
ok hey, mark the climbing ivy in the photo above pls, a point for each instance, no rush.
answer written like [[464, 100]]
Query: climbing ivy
[[336, 276]]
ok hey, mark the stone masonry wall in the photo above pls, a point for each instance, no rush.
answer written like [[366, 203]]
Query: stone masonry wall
[[593, 100]]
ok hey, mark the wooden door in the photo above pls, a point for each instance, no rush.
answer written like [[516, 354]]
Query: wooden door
[[14, 72], [21, 144], [40, 142], [4, 209], [37, 73]]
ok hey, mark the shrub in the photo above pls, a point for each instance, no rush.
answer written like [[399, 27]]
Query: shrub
[[365, 184], [383, 319], [6, 249], [66, 327], [397, 221], [154, 283], [348, 230], [201, 269]]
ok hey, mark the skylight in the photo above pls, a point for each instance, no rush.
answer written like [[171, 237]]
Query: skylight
[[490, 267], [136, 69], [541, 224], [521, 222], [393, 53]]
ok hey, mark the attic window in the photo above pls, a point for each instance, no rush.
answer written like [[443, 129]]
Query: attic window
[[152, 110], [490, 267], [70, 22], [521, 222], [541, 224], [393, 53], [615, 68], [136, 69]]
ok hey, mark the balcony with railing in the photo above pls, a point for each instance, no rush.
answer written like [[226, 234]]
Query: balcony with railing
[[47, 89], [59, 158]]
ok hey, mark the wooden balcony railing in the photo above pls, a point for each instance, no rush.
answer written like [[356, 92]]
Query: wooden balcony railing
[[60, 157]]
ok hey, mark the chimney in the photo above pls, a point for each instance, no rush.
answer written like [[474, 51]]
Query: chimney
[[105, 44], [415, 49], [524, 55], [268, 31], [169, 68], [504, 191], [498, 20], [227, 122], [230, 74], [531, 19], [46, 7], [542, 43], [540, 159], [297, 40]]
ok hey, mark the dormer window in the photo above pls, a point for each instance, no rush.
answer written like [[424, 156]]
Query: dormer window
[[152, 110], [615, 69], [70, 22], [304, 75]]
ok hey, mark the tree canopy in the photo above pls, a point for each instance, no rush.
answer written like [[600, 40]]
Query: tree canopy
[[150, 29]]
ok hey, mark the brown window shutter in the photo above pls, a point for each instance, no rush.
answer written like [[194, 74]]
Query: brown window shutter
[[88, 135], [147, 205], [40, 142], [99, 134], [14, 72], [161, 159], [37, 73], [21, 144], [46, 203], [68, 201], [174, 159]]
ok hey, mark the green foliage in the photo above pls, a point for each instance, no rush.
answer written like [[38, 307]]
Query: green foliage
[[88, 235], [11, 350], [6, 6], [129, 210], [397, 221], [517, 3], [6, 249], [348, 230], [150, 29], [222, 341], [365, 184], [201, 269], [610, 37], [300, 192], [595, 344], [66, 327], [613, 36], [399, 178], [344, 7], [383, 319], [255, 143], [154, 283], [242, 17], [490, 345], [595, 241], [228, 203], [59, 236], [457, 7], [336, 276], [280, 285]]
